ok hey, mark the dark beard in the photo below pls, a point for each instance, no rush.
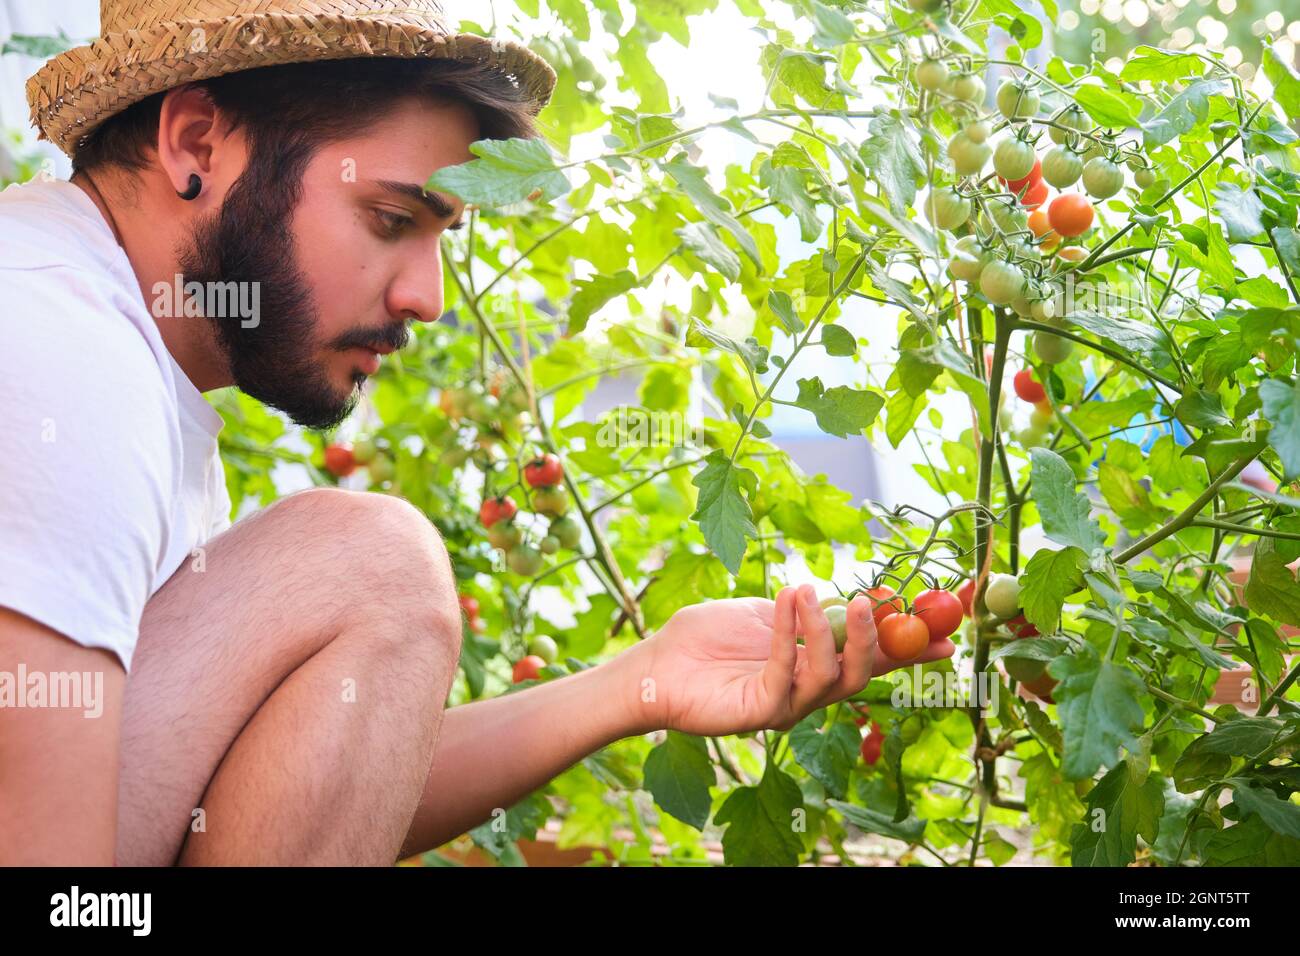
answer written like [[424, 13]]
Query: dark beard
[[248, 240]]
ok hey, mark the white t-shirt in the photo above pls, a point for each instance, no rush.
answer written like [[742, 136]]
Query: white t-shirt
[[109, 469]]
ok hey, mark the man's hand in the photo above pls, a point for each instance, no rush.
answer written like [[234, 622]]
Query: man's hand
[[732, 666]]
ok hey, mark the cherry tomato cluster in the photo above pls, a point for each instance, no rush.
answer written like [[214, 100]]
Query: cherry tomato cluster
[[343, 458], [498, 513], [542, 650], [470, 606], [901, 634]]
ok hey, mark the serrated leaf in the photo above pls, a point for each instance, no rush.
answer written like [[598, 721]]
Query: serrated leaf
[[678, 773], [703, 240], [1098, 704], [507, 171], [594, 294], [1065, 511], [828, 755], [840, 411], [910, 830], [1272, 588], [1281, 401], [1108, 107], [1240, 210], [724, 514], [1280, 816], [1048, 579], [1121, 807], [1182, 114], [760, 822], [710, 205], [893, 155]]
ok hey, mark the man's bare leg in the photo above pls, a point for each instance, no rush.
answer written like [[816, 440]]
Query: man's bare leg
[[291, 690]]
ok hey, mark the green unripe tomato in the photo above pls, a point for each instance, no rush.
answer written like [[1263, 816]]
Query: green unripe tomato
[[1031, 437], [968, 259], [382, 469], [1062, 167], [544, 646], [1102, 178], [1145, 178], [967, 87], [931, 74], [946, 209], [1005, 418], [837, 617], [968, 157], [1052, 349], [1008, 214], [1039, 419], [1017, 100], [524, 560], [1013, 158], [1043, 310], [550, 501], [977, 131], [1000, 282], [1075, 119], [1002, 596], [549, 544], [364, 450], [567, 531], [504, 535], [1020, 306]]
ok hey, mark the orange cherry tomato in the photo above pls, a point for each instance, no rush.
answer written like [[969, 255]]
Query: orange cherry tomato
[[902, 637], [882, 607], [1035, 195], [1041, 228], [1070, 214]]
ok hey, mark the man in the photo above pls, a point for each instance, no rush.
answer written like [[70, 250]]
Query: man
[[273, 692]]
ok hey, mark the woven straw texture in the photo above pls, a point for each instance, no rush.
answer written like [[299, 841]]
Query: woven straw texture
[[147, 46]]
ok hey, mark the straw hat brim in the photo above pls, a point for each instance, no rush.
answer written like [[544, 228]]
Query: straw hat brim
[[80, 88]]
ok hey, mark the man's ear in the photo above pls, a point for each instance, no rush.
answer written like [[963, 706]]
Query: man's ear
[[191, 140]]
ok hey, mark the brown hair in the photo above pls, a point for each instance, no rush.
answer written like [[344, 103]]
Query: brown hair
[[291, 110]]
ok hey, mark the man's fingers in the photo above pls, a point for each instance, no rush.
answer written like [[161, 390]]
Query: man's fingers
[[821, 668], [860, 648], [778, 672]]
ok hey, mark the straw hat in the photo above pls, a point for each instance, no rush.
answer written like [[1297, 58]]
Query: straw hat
[[147, 46]]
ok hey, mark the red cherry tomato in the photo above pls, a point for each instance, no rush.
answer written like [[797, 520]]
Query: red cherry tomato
[[469, 605], [543, 471], [1020, 627], [496, 509], [1041, 686], [339, 460], [1027, 388], [860, 721], [871, 744], [1035, 175], [940, 611], [882, 606], [1035, 195], [902, 637], [966, 594], [528, 668]]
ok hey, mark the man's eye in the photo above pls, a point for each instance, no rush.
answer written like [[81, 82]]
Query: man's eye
[[391, 224]]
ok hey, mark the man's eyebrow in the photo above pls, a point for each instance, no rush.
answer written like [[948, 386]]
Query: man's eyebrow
[[435, 203]]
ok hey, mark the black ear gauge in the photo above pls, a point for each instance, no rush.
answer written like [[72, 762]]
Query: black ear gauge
[[195, 187]]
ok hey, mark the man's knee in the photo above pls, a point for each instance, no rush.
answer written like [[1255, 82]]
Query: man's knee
[[381, 549]]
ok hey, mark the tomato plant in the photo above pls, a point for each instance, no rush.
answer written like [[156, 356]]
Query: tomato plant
[[852, 273]]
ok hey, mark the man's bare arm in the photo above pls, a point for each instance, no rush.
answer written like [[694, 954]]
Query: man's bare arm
[[58, 767], [493, 753]]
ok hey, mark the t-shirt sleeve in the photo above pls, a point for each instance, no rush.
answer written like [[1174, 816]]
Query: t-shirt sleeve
[[87, 458]]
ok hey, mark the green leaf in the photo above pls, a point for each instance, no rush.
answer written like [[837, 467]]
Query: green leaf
[[901, 412], [1272, 588], [1048, 579], [724, 514], [1121, 807], [1282, 409], [1151, 63], [507, 171], [1126, 333], [760, 822], [783, 308], [1201, 409], [699, 335], [1280, 816], [893, 155], [1286, 85], [1240, 210], [1065, 511], [829, 756], [1109, 107], [686, 578], [910, 830], [840, 411], [678, 773], [37, 47], [789, 186], [832, 27], [838, 340], [703, 240], [1182, 114], [710, 205], [593, 294], [1100, 713]]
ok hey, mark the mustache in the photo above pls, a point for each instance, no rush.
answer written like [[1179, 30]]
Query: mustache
[[393, 336]]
